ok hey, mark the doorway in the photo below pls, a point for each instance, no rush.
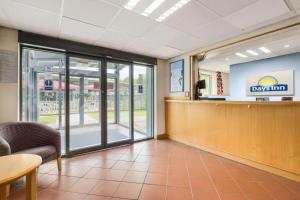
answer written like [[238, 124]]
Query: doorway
[[89, 99]]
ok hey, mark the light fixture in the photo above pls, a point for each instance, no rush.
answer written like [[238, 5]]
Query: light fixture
[[131, 4], [152, 7], [241, 55], [264, 49], [252, 52], [171, 10], [286, 46]]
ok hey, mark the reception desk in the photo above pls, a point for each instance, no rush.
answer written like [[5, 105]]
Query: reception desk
[[265, 135]]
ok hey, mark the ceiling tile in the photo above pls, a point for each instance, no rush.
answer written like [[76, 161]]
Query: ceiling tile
[[165, 52], [133, 23], [141, 45], [115, 38], [3, 19], [38, 21], [141, 6], [295, 4], [120, 3], [211, 32], [49, 5], [94, 12], [79, 31], [108, 44], [162, 34], [186, 42], [257, 13], [162, 8], [190, 16], [226, 7]]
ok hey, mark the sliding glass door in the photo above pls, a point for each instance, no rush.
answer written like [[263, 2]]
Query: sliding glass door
[[119, 102], [84, 103], [43, 89], [143, 101], [95, 103]]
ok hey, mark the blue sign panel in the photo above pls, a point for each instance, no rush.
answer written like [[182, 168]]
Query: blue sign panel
[[140, 89], [48, 85]]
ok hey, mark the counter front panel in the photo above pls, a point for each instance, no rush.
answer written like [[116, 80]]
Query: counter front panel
[[262, 134]]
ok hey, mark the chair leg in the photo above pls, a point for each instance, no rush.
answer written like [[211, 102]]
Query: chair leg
[[59, 164]]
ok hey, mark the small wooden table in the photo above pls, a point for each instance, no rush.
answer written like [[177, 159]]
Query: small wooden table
[[13, 167]]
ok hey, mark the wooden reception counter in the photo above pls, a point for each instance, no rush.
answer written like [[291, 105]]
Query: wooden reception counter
[[265, 135]]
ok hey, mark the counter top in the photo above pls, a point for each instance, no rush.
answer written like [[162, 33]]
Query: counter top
[[219, 102]]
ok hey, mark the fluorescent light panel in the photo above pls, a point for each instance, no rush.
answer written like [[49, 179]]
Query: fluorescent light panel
[[131, 4], [152, 7], [264, 49], [241, 55], [171, 10], [253, 53]]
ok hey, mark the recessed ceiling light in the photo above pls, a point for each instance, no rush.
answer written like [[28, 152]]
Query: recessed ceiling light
[[171, 10], [252, 52], [131, 4], [286, 46], [241, 55], [264, 49], [152, 7]]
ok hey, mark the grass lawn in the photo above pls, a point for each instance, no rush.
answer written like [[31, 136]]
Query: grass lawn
[[51, 119], [95, 115], [48, 119], [110, 115]]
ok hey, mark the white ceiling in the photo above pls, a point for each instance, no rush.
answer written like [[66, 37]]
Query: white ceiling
[[106, 23], [281, 43]]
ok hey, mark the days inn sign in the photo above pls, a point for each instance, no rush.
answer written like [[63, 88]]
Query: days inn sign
[[279, 83]]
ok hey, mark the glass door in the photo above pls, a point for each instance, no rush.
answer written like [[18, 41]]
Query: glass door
[[84, 103], [119, 103], [43, 89], [143, 101]]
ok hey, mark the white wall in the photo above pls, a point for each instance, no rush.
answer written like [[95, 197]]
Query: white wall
[[161, 86], [8, 90]]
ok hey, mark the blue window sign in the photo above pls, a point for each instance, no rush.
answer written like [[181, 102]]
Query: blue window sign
[[140, 89], [48, 85]]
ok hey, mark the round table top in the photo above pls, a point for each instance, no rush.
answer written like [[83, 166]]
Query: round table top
[[12, 167]]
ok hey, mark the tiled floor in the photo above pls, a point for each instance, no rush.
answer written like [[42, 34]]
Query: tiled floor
[[158, 170]]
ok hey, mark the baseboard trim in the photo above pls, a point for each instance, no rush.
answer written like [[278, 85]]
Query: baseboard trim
[[161, 136], [267, 168]]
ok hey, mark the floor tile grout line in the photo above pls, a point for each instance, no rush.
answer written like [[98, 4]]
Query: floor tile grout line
[[269, 192], [236, 183], [189, 178], [166, 186], [288, 188], [211, 179]]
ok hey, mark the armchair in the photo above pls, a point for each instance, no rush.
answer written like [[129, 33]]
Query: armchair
[[30, 138]]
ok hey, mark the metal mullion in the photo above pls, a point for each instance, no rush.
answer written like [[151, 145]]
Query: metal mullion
[[104, 103], [81, 101], [131, 96], [67, 104], [117, 96]]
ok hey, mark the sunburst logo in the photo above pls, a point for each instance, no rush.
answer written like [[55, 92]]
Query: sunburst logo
[[267, 81], [268, 84]]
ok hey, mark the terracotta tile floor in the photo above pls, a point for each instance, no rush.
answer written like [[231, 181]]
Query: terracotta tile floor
[[158, 170]]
